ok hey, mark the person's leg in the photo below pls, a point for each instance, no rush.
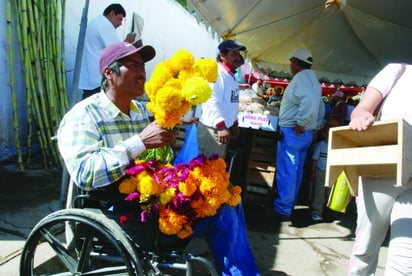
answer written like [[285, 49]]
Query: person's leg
[[302, 144], [285, 176], [318, 193], [226, 236], [208, 143], [376, 197], [399, 259], [289, 168]]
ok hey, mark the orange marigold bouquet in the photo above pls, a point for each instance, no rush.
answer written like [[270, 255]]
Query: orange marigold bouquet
[[180, 194]]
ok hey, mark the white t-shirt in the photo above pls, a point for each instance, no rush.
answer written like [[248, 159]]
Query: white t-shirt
[[398, 99], [100, 33], [258, 89], [223, 105]]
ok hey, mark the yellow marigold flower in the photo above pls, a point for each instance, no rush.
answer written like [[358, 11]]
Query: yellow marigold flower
[[167, 195], [168, 98], [196, 90], [127, 186], [181, 60], [206, 68], [146, 184], [187, 188], [185, 75]]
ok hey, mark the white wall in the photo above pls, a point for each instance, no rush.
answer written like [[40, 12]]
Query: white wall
[[167, 27]]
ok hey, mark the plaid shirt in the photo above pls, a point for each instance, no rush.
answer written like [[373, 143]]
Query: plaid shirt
[[97, 141]]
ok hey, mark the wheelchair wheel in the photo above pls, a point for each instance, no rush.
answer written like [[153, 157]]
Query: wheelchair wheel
[[78, 242]]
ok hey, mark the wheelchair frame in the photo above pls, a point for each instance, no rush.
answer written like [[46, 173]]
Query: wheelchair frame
[[85, 241]]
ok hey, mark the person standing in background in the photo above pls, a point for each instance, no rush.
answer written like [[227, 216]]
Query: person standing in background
[[218, 123], [298, 119], [258, 88], [100, 32], [319, 160], [380, 204], [339, 108]]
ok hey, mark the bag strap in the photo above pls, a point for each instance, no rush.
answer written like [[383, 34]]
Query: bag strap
[[378, 111]]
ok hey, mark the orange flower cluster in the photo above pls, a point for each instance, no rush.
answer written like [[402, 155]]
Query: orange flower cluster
[[181, 194]]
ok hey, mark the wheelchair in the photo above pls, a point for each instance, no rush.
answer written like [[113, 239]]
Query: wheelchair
[[86, 238]]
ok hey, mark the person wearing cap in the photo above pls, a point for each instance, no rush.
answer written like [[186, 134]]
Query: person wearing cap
[[100, 32], [300, 114], [339, 108], [218, 123], [101, 135]]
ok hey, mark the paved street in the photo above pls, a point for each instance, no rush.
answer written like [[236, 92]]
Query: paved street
[[298, 247]]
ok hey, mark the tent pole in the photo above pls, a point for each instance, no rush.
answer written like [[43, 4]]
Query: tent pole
[[74, 95]]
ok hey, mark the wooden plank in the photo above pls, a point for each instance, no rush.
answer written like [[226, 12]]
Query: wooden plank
[[366, 155], [260, 177], [261, 166]]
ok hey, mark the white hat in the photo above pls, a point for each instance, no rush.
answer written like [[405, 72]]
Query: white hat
[[302, 54]]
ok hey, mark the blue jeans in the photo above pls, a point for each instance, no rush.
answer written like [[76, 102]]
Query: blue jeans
[[291, 155], [226, 235]]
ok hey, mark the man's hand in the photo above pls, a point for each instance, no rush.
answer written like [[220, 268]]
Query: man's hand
[[224, 135], [154, 136], [130, 37], [299, 130]]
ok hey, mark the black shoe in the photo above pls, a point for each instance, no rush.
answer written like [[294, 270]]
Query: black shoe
[[273, 215]]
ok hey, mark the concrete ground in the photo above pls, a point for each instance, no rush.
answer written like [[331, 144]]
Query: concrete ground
[[298, 247]]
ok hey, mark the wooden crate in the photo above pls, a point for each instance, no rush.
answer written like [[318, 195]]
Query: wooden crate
[[385, 149], [261, 161]]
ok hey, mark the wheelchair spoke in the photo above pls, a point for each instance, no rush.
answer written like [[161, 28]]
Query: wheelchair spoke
[[61, 252], [85, 251]]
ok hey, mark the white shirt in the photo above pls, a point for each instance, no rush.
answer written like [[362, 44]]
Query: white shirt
[[100, 33], [223, 105], [258, 89], [398, 98]]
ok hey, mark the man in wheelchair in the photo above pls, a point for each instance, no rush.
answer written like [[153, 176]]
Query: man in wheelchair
[[100, 136]]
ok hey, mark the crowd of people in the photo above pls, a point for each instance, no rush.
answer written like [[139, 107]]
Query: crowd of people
[[102, 134]]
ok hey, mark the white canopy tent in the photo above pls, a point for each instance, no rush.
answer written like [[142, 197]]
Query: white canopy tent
[[350, 40]]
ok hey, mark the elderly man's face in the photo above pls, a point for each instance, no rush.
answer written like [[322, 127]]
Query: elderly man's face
[[132, 76]]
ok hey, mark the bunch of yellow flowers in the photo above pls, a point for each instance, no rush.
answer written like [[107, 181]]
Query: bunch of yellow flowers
[[178, 84]]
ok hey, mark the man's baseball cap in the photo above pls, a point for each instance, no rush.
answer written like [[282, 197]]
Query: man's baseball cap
[[120, 50], [230, 45], [302, 54]]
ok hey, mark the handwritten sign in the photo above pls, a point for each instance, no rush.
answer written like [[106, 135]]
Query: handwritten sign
[[258, 121]]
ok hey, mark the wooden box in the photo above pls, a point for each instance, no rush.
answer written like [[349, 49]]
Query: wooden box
[[261, 162], [385, 149]]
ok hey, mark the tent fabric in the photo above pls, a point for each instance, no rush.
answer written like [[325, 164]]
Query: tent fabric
[[350, 40]]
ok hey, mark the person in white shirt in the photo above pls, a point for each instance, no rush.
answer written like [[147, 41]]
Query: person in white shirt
[[100, 32], [218, 123], [380, 203], [258, 88]]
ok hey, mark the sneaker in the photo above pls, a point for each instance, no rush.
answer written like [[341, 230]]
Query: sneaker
[[317, 217]]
